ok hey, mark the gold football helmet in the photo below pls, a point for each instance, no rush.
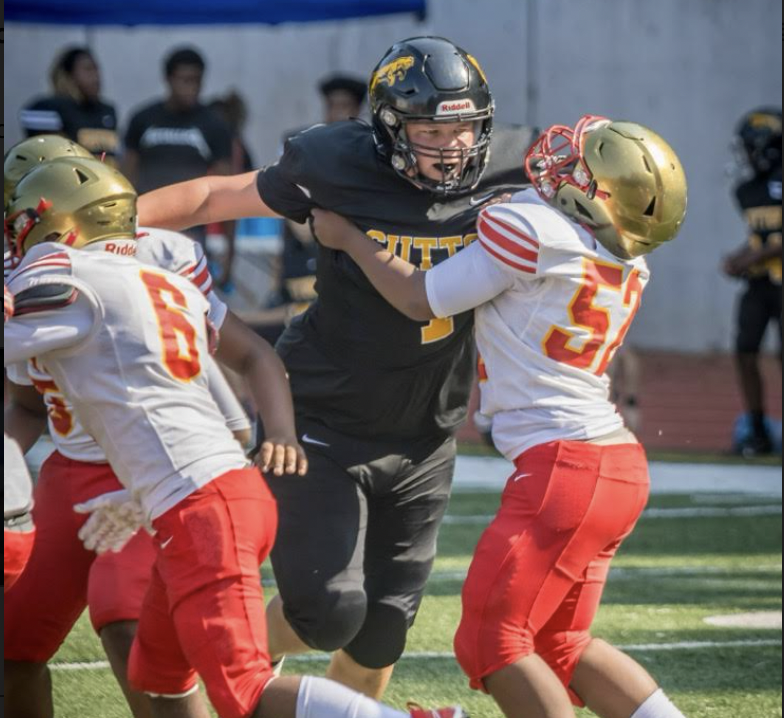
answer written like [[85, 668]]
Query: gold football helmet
[[75, 201], [620, 180], [29, 153]]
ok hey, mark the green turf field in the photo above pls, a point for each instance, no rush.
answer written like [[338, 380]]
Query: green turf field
[[676, 571]]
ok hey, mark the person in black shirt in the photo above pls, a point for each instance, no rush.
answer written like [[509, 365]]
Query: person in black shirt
[[75, 110], [378, 396], [759, 262], [180, 138]]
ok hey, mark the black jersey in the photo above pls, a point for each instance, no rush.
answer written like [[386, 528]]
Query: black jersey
[[760, 202], [92, 124], [356, 363]]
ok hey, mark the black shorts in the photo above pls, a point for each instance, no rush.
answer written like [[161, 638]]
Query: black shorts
[[360, 529], [760, 305]]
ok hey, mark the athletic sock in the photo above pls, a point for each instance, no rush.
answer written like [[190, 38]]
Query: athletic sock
[[320, 698], [658, 706]]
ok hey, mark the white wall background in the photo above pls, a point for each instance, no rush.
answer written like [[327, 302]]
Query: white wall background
[[688, 68]]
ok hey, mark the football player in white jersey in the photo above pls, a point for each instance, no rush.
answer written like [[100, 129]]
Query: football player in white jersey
[[18, 530], [63, 575], [556, 279], [129, 345]]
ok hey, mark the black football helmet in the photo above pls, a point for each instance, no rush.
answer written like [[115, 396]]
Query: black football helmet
[[759, 135], [431, 79]]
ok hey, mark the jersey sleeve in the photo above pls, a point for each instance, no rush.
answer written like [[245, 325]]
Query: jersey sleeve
[[510, 240], [18, 374], [41, 333], [284, 186], [466, 281]]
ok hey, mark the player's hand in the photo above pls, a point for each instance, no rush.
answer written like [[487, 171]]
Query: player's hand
[[282, 457], [739, 264], [114, 519], [332, 230]]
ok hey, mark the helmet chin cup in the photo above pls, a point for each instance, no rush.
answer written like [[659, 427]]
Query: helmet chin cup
[[399, 163]]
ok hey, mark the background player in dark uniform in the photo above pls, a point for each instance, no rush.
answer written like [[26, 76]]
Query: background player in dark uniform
[[759, 262], [76, 109], [378, 396]]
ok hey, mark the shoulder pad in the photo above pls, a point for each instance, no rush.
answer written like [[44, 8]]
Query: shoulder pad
[[44, 298]]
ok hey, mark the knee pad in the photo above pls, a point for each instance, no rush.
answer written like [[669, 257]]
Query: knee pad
[[329, 622], [382, 640], [562, 651]]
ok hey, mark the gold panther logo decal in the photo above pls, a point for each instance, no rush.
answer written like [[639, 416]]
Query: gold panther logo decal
[[396, 71]]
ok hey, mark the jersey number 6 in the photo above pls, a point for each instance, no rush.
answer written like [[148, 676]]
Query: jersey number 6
[[178, 336]]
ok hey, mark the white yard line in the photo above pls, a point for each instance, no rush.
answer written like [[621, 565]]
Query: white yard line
[[684, 513], [478, 473], [491, 474], [632, 648]]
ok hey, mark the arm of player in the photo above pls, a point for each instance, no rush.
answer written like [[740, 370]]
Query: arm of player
[[400, 283], [464, 282], [24, 417], [203, 201], [35, 335], [243, 351], [736, 265], [236, 418]]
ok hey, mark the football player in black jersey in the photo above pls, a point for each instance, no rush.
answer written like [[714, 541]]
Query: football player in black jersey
[[378, 396], [759, 262]]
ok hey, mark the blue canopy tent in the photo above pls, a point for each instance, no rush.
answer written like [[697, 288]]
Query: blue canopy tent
[[199, 12]]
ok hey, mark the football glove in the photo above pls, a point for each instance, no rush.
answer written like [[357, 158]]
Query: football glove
[[114, 519]]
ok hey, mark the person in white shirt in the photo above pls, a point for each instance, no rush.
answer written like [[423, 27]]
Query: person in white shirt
[[129, 346], [556, 278]]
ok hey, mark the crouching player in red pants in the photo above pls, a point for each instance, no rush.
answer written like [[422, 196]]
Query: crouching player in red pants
[[556, 279]]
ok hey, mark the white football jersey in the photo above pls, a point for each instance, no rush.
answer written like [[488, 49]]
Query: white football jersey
[[17, 486], [175, 253], [130, 351], [553, 308]]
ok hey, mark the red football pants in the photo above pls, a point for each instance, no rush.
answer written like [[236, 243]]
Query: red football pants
[[204, 613], [17, 547], [540, 569], [62, 577]]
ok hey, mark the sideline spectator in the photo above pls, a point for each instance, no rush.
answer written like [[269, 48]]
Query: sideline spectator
[[75, 108], [344, 97], [178, 138], [758, 263]]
